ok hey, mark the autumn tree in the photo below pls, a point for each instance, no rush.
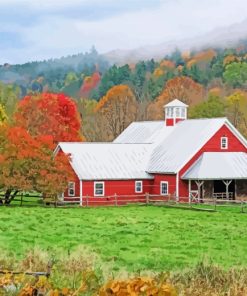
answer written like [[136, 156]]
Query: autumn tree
[[117, 109], [91, 127], [182, 88], [27, 163], [3, 115], [237, 110], [50, 114], [89, 83]]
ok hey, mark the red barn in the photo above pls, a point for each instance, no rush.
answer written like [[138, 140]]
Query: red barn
[[181, 157]]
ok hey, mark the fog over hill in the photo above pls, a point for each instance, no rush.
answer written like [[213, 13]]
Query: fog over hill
[[223, 37]]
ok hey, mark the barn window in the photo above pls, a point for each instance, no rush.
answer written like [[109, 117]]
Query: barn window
[[71, 188], [177, 112], [138, 186], [224, 143], [183, 113], [163, 188], [99, 188]]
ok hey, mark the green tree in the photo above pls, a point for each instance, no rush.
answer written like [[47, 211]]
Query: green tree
[[9, 96], [70, 78], [236, 74], [213, 107]]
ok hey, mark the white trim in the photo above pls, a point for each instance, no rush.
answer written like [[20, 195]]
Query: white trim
[[103, 188], [222, 147], [167, 185], [177, 186], [139, 181], [80, 192], [231, 128], [236, 133], [73, 188]]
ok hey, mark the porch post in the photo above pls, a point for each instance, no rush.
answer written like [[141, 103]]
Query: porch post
[[189, 190], [199, 184], [81, 193], [227, 183]]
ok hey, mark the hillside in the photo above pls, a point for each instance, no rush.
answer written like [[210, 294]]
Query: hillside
[[213, 81], [58, 75]]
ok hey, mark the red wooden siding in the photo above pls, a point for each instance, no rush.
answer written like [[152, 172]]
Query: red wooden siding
[[119, 187], [171, 179], [126, 188], [213, 145], [172, 122]]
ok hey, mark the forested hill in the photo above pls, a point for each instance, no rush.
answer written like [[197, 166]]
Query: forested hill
[[65, 74], [213, 81]]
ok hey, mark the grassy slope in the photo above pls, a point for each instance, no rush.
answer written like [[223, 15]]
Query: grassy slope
[[134, 237]]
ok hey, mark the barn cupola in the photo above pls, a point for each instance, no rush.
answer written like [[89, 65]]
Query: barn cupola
[[175, 111]]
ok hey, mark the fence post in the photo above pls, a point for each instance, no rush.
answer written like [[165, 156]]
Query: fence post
[[55, 201], [215, 203], [147, 198], [242, 206], [21, 198], [115, 196], [87, 200]]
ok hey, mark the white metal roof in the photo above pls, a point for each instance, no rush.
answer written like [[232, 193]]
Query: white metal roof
[[218, 166], [108, 161], [145, 132], [176, 103], [179, 147]]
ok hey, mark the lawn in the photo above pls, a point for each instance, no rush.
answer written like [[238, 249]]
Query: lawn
[[134, 238]]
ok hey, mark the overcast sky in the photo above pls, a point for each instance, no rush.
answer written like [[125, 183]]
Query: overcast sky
[[41, 29]]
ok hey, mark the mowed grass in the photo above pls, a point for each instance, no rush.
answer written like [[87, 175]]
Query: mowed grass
[[134, 238]]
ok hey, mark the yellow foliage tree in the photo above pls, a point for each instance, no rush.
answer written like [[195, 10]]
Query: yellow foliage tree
[[3, 115], [117, 109], [158, 72], [230, 59], [237, 110]]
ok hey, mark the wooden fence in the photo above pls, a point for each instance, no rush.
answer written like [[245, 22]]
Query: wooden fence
[[117, 200], [123, 200]]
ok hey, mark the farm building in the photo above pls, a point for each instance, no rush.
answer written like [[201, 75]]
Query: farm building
[[178, 157]]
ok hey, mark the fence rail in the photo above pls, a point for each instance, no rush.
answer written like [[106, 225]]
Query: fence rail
[[116, 200], [124, 200]]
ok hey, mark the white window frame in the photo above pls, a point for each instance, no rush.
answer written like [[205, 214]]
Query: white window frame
[[178, 112], [103, 188], [224, 145], [136, 184], [73, 188], [183, 112], [161, 187]]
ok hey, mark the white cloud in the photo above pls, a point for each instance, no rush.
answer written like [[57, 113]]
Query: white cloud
[[173, 20]]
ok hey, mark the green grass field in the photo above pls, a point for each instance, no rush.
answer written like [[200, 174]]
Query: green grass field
[[134, 238]]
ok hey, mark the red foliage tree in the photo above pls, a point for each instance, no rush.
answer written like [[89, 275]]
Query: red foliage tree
[[27, 163], [49, 114], [89, 83]]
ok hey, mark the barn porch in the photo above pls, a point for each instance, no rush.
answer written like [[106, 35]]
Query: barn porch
[[221, 175]]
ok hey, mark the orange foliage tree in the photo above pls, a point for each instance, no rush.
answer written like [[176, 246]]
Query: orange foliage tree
[[27, 163], [50, 114], [202, 58], [117, 109], [182, 88]]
